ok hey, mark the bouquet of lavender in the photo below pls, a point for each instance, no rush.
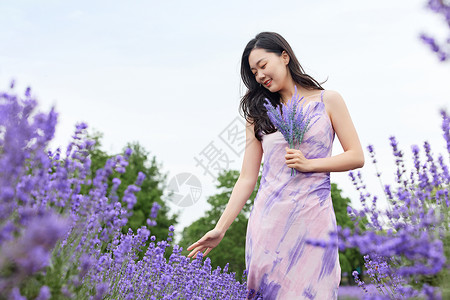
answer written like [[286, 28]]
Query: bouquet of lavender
[[292, 123]]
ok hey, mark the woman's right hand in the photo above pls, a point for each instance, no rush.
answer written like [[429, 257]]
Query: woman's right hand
[[209, 241]]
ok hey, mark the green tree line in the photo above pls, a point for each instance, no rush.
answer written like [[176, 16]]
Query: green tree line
[[152, 187]]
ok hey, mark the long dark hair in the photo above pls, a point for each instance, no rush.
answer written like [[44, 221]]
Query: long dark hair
[[252, 102]]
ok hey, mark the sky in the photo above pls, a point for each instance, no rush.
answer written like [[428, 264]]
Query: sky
[[166, 74]]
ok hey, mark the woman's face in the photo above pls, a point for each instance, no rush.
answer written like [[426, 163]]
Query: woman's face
[[269, 69]]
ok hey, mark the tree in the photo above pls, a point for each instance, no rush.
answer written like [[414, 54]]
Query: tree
[[151, 189], [232, 247], [349, 259]]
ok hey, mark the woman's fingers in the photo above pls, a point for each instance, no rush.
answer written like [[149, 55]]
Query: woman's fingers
[[194, 252], [196, 244], [205, 244], [204, 251], [198, 249], [192, 246], [199, 242], [207, 251]]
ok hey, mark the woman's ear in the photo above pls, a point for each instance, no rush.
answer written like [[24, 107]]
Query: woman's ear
[[285, 57]]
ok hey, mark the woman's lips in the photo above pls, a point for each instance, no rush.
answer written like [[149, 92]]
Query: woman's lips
[[268, 82]]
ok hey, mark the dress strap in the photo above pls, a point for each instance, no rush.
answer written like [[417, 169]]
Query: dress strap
[[321, 96]]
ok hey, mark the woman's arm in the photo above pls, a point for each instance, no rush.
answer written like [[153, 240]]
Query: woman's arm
[[353, 156], [241, 192]]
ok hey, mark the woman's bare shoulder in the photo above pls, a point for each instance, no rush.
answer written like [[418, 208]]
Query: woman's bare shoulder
[[334, 104], [332, 96]]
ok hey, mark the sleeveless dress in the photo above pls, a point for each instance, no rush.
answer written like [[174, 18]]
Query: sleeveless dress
[[287, 210]]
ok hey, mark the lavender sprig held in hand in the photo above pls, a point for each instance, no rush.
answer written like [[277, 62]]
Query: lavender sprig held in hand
[[292, 123]]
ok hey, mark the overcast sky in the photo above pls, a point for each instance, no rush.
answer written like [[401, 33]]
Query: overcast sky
[[166, 73]]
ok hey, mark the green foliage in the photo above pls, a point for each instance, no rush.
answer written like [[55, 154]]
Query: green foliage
[[340, 207], [232, 247], [350, 259], [442, 278], [151, 189]]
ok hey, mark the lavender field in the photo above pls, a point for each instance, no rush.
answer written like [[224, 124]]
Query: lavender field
[[59, 243], [61, 233]]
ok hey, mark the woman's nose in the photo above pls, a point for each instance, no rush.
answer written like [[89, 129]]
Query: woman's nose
[[261, 76]]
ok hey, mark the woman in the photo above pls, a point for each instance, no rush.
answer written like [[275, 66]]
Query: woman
[[287, 209]]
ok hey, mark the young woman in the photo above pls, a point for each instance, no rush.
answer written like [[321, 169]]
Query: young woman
[[287, 209]]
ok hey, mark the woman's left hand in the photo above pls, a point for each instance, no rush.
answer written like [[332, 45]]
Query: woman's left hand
[[295, 159]]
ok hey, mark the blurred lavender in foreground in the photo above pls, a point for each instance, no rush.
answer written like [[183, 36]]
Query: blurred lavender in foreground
[[354, 292], [406, 246], [442, 50]]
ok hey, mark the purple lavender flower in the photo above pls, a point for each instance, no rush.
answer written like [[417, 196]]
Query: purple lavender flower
[[446, 127], [155, 209], [290, 121], [102, 288], [15, 295], [128, 152], [442, 50], [32, 251], [140, 179], [44, 293], [404, 245]]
